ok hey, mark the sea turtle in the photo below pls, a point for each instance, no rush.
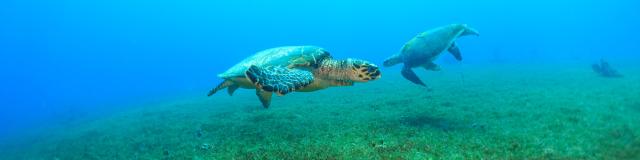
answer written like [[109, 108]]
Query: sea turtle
[[605, 70], [294, 68], [423, 49]]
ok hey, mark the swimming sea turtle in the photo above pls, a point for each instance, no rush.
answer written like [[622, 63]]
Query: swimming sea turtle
[[423, 49], [605, 70], [294, 68]]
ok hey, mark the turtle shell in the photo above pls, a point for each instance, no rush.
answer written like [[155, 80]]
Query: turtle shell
[[280, 56], [429, 44]]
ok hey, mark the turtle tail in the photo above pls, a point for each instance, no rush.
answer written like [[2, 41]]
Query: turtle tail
[[226, 83]]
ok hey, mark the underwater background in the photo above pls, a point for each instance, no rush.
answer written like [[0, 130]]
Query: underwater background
[[127, 79]]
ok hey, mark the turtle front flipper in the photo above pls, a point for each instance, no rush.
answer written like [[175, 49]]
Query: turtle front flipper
[[281, 80], [455, 51]]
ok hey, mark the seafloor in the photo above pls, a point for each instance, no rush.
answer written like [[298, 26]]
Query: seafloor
[[475, 112]]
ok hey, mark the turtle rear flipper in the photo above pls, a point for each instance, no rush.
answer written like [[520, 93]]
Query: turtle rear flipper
[[226, 83], [232, 89], [408, 74], [281, 80], [431, 66], [265, 97]]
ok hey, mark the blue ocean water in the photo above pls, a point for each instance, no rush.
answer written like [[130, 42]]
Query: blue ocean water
[[66, 59]]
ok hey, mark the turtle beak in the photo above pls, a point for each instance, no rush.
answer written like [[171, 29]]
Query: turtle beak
[[374, 72]]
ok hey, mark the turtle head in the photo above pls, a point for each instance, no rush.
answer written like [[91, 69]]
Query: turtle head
[[363, 71]]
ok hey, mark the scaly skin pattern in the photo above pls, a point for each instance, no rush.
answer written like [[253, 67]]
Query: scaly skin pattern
[[282, 80], [279, 79], [331, 69], [329, 72]]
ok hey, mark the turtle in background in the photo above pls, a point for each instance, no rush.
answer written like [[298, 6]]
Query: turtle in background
[[424, 48], [605, 70], [287, 69]]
